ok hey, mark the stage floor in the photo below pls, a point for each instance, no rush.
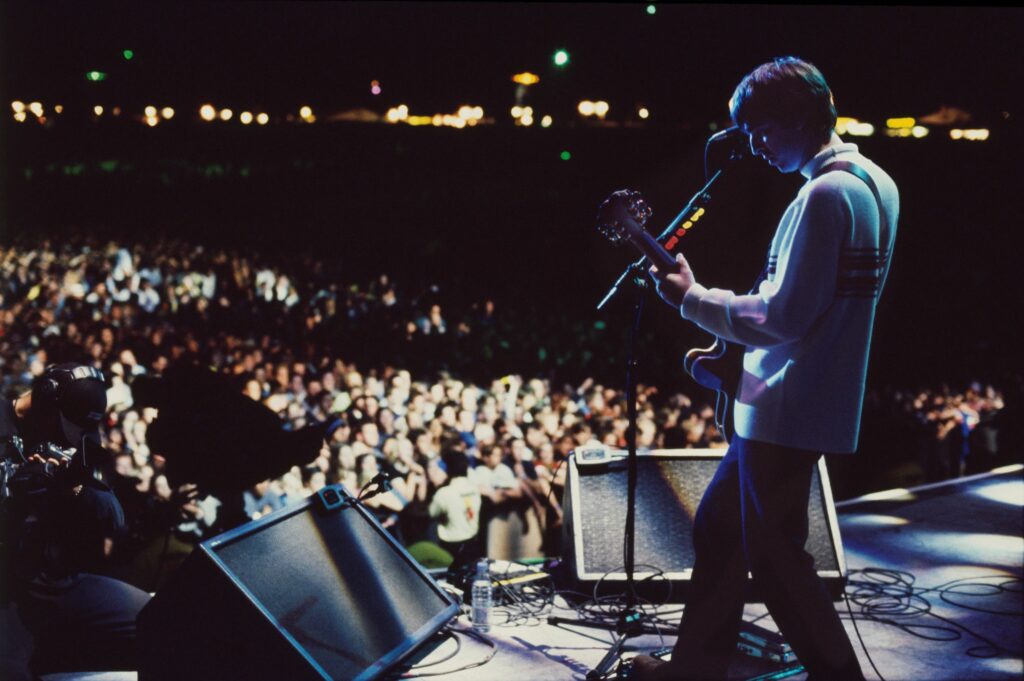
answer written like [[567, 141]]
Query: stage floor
[[935, 588]]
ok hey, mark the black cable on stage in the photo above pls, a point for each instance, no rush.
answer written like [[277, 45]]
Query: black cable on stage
[[448, 635], [860, 638], [607, 610], [888, 596], [472, 633]]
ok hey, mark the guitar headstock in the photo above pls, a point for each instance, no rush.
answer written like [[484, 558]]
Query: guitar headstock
[[622, 215]]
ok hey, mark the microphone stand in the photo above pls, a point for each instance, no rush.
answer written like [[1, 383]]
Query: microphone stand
[[630, 623]]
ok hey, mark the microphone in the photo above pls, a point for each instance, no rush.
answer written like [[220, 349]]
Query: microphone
[[383, 480], [730, 133]]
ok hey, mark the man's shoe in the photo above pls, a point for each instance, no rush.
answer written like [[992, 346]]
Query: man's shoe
[[647, 668]]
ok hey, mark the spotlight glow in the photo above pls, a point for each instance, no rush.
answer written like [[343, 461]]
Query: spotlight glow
[[226, 114], [98, 110], [207, 112], [245, 117], [167, 112], [1010, 493], [262, 119]]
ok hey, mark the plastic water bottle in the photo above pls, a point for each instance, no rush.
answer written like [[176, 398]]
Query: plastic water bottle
[[482, 598]]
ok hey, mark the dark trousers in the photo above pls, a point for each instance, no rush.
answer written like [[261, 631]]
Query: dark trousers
[[81, 623], [754, 516]]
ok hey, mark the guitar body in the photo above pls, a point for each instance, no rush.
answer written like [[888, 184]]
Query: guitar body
[[719, 368]]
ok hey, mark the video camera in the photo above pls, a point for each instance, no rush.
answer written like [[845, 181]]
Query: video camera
[[45, 446]]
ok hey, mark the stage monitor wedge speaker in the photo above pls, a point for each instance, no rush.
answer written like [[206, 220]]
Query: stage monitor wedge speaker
[[670, 485], [318, 590]]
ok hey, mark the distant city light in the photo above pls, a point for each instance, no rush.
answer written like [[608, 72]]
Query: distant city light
[[95, 76], [561, 58], [59, 108], [643, 113], [517, 112], [207, 112], [471, 114], [919, 131], [116, 111], [127, 54], [527, 119], [900, 123], [262, 119], [973, 135], [453, 121], [305, 112], [586, 108], [167, 112], [651, 9], [98, 110], [565, 155], [151, 121], [397, 113], [245, 117], [18, 106], [846, 125], [858, 129], [546, 122], [601, 108], [375, 87], [898, 132], [36, 108], [226, 114], [20, 116], [526, 78], [150, 111]]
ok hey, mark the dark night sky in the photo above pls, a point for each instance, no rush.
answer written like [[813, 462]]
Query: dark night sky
[[682, 62]]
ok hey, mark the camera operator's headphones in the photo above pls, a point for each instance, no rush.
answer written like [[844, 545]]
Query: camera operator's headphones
[[47, 387], [76, 394]]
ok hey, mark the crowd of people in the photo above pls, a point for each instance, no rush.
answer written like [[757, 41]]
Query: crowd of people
[[409, 386]]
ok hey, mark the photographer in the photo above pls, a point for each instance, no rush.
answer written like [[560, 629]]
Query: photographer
[[59, 524]]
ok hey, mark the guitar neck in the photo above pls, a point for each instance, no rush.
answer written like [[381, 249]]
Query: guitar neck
[[654, 251]]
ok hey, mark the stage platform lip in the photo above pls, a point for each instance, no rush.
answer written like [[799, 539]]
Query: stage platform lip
[[927, 491]]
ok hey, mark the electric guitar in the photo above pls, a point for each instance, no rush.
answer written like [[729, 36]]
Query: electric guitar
[[718, 367]]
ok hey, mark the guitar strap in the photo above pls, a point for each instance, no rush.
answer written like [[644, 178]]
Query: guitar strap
[[860, 174], [863, 176]]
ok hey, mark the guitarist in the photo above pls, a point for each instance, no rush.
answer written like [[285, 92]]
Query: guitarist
[[807, 330]]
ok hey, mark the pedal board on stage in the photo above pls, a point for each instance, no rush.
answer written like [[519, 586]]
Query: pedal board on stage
[[760, 655]]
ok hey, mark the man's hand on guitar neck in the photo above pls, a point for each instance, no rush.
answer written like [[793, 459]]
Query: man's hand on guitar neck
[[673, 285]]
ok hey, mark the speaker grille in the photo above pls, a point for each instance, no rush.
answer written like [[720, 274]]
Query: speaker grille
[[669, 489], [336, 586]]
